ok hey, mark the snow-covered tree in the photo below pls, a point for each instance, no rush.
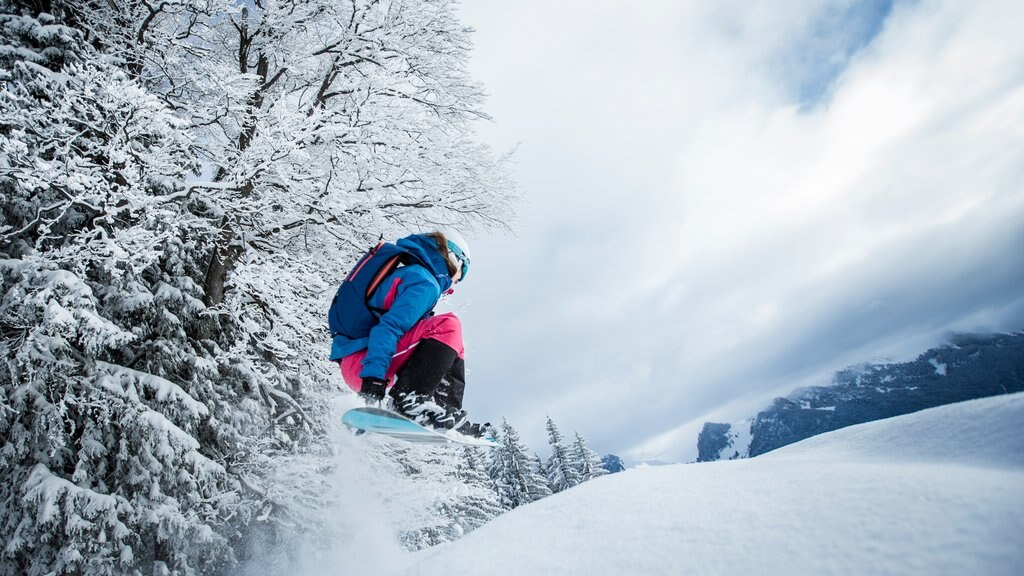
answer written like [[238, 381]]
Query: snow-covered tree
[[321, 125], [104, 396], [440, 492], [512, 471], [478, 503], [561, 469], [181, 182], [464, 500], [587, 463], [537, 466]]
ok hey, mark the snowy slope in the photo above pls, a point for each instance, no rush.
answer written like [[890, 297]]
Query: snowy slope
[[935, 492]]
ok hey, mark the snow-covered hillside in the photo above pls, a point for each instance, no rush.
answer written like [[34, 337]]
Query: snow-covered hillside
[[936, 492]]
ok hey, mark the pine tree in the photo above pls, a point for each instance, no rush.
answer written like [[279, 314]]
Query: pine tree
[[479, 503], [463, 498], [537, 465], [104, 397], [560, 468], [586, 462], [512, 471]]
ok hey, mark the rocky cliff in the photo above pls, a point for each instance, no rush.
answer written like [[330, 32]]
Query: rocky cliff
[[970, 366]]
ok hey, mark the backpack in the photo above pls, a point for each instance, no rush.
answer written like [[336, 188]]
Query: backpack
[[351, 314]]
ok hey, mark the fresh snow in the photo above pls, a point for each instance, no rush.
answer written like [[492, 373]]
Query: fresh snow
[[935, 492], [164, 389]]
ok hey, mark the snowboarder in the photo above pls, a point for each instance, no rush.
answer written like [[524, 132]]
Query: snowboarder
[[385, 334]]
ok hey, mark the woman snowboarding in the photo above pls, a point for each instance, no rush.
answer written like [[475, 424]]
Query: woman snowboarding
[[387, 339]]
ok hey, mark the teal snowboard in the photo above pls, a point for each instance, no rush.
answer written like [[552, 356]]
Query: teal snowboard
[[380, 421]]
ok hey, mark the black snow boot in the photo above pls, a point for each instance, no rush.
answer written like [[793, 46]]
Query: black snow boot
[[453, 385], [421, 409], [415, 391]]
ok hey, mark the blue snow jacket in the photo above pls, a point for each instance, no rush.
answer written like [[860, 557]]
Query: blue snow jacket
[[409, 294]]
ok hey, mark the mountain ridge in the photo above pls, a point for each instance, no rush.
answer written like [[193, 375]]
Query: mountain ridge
[[970, 366]]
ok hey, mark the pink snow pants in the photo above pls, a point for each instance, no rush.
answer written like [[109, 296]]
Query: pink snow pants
[[445, 328]]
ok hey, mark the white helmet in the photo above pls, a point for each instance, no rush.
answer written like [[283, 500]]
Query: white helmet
[[458, 253]]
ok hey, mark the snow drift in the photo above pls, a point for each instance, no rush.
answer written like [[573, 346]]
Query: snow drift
[[935, 492]]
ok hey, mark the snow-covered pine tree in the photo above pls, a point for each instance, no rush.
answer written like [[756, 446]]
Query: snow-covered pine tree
[[428, 492], [561, 470], [103, 394], [586, 462], [512, 471], [537, 465], [463, 499], [478, 503]]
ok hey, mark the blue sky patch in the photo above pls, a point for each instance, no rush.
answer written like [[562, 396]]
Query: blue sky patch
[[814, 63]]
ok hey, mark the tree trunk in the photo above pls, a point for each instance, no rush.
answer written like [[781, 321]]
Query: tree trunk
[[223, 259], [228, 250]]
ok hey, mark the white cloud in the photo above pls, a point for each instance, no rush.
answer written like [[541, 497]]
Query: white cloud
[[697, 235]]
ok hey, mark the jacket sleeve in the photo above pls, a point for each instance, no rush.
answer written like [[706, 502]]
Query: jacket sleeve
[[417, 293]]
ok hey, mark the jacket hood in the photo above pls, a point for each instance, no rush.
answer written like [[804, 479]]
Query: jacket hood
[[424, 249]]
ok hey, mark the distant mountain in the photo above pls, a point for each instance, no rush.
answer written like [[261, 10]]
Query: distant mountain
[[647, 463], [971, 366], [723, 441], [612, 463]]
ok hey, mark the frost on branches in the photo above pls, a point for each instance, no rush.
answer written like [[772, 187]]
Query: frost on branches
[[183, 183]]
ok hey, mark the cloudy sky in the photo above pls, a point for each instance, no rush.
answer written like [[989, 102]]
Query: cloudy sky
[[727, 200]]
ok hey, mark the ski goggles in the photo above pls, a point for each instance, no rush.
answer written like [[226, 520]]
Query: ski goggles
[[459, 258]]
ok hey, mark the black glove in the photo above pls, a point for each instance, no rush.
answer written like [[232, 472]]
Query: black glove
[[373, 389]]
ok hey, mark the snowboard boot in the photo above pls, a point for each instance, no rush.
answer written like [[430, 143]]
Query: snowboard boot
[[421, 409], [415, 392], [430, 388], [475, 430], [426, 412], [453, 385]]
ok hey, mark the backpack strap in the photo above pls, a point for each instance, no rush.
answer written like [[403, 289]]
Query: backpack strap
[[362, 261], [390, 266], [401, 259]]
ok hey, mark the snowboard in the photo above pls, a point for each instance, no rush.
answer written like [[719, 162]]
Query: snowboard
[[379, 421]]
